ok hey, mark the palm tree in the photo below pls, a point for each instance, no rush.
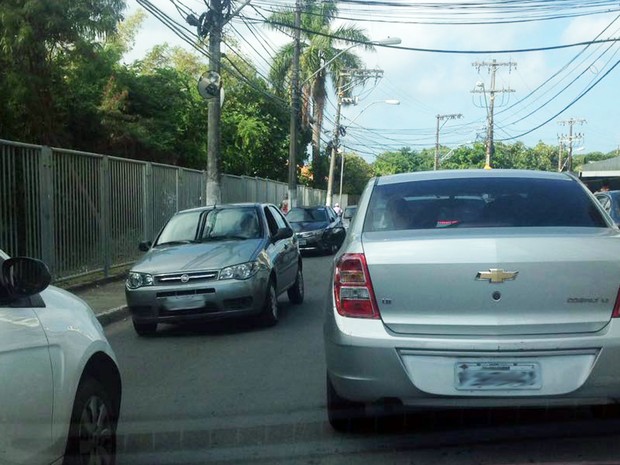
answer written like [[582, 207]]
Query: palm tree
[[319, 44]]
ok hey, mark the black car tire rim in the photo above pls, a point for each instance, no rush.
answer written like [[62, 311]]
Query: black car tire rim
[[95, 433], [92, 436]]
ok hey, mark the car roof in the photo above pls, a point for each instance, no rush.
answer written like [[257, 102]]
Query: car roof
[[226, 205], [463, 174]]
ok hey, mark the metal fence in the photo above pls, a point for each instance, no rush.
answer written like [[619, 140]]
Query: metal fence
[[83, 212]]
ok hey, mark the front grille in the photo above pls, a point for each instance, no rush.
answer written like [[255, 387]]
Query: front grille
[[185, 278], [238, 303], [207, 308], [185, 292]]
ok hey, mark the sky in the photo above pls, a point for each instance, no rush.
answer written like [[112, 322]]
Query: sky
[[426, 83]]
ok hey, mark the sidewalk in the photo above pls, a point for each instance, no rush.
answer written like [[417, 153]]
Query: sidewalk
[[106, 299]]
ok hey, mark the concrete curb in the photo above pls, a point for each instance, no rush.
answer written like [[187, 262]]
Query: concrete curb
[[113, 315]]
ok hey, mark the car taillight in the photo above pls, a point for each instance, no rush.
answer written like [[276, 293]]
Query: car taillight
[[352, 287], [616, 312]]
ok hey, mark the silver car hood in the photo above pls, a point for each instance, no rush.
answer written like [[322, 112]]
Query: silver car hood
[[193, 257]]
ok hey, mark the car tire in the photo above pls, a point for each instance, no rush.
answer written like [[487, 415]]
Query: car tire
[[344, 415], [144, 329], [329, 249], [92, 432], [296, 291], [270, 313]]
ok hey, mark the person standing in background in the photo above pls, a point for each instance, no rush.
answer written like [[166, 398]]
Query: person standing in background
[[284, 205]]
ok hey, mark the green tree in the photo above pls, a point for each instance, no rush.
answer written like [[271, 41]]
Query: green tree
[[403, 161], [357, 172], [40, 43], [320, 43]]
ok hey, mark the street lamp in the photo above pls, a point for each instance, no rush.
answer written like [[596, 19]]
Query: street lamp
[[387, 102], [388, 41], [330, 178]]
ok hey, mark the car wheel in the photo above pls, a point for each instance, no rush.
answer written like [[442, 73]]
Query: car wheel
[[344, 415], [269, 315], [92, 433], [144, 329], [296, 292], [329, 249]]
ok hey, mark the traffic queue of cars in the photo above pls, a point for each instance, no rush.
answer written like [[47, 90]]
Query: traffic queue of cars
[[212, 263], [468, 288], [228, 261]]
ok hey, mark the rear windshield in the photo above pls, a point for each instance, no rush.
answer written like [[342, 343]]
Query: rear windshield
[[481, 203], [301, 215]]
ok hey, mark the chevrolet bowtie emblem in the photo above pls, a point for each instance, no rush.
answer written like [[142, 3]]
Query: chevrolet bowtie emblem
[[495, 275]]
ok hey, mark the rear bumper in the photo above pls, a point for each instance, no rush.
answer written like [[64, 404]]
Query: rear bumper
[[367, 363]]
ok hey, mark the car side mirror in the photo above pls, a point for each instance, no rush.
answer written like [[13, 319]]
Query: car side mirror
[[24, 276], [145, 246], [283, 233]]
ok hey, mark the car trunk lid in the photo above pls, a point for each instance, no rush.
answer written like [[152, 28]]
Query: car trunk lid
[[499, 282]]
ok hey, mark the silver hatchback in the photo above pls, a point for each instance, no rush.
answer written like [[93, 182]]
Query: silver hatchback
[[474, 289], [216, 262]]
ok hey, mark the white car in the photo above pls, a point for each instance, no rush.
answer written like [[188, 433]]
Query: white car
[[60, 387]]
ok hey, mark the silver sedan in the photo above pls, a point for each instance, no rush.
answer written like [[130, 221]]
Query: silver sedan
[[474, 289], [216, 262]]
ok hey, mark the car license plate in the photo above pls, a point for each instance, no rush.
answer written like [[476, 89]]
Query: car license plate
[[302, 242], [495, 376]]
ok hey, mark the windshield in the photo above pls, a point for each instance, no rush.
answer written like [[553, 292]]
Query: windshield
[[217, 224], [298, 215], [182, 227], [232, 223], [479, 203]]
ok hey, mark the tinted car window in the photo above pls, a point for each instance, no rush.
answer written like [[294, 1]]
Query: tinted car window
[[481, 202], [181, 227], [307, 214], [226, 223], [240, 223], [271, 221], [278, 218], [349, 212]]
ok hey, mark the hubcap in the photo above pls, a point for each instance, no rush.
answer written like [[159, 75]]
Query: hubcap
[[96, 444]]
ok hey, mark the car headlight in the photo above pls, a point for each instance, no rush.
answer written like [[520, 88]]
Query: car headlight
[[242, 271], [136, 280]]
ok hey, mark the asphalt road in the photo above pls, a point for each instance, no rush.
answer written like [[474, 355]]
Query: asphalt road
[[239, 393]]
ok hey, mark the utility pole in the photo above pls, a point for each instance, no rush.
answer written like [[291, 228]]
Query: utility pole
[[492, 66], [560, 165], [211, 24], [570, 138], [443, 118], [295, 107], [335, 141], [352, 74], [214, 118]]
